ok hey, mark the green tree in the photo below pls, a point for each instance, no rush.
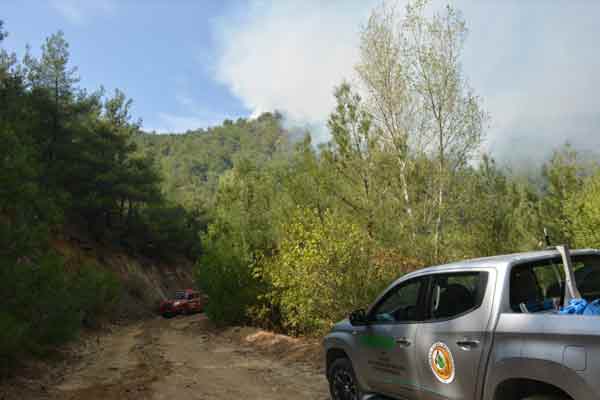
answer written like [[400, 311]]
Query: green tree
[[52, 70], [563, 177], [324, 269], [420, 100], [54, 82], [240, 236], [582, 211], [353, 153]]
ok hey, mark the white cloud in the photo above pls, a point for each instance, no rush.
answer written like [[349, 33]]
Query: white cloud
[[79, 11], [289, 55], [535, 65]]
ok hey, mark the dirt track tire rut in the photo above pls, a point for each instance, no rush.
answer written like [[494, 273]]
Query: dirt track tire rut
[[182, 357]]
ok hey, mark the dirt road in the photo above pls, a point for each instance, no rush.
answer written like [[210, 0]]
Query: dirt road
[[180, 358]]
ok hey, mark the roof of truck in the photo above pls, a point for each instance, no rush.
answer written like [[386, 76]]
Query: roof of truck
[[505, 260]]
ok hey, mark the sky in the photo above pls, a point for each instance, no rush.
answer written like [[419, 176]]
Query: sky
[[190, 64]]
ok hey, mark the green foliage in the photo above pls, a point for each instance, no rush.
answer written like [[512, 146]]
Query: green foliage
[[285, 233], [563, 176], [96, 292], [170, 231], [69, 158], [300, 236], [323, 269], [353, 153], [44, 305], [225, 273], [191, 163], [491, 214], [583, 211], [241, 234]]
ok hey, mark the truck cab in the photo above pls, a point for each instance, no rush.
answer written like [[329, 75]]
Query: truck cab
[[480, 329]]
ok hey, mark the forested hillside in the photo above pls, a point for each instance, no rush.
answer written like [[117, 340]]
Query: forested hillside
[[192, 162], [69, 169]]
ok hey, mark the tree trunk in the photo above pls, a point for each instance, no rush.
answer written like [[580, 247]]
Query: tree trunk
[[55, 122], [438, 224]]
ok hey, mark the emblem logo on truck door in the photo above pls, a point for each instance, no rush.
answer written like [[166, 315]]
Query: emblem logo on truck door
[[441, 362]]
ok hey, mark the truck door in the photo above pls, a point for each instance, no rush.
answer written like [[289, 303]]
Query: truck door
[[453, 341], [388, 341]]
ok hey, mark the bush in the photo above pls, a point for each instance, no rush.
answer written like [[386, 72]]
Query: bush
[[226, 274], [583, 210], [325, 268], [12, 335], [165, 232], [97, 293], [43, 299], [44, 305]]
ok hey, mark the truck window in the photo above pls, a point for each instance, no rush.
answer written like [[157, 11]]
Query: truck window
[[536, 286], [455, 294], [587, 276], [539, 286], [400, 304]]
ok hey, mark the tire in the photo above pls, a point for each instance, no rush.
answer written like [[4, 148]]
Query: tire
[[342, 381]]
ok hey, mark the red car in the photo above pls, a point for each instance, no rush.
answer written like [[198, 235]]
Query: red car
[[185, 302]]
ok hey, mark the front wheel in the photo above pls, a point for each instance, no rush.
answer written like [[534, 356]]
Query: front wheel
[[342, 381]]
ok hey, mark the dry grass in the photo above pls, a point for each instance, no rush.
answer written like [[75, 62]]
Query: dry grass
[[281, 347]]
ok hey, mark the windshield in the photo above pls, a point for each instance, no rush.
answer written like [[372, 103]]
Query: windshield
[[179, 295], [540, 286]]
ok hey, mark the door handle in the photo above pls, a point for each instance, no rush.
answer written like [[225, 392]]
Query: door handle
[[404, 342], [468, 344]]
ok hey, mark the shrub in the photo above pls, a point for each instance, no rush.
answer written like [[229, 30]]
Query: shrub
[[44, 304], [225, 273], [12, 334], [43, 299], [583, 210], [324, 269], [97, 293]]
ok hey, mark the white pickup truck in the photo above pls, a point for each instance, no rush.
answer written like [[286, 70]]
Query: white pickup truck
[[479, 329]]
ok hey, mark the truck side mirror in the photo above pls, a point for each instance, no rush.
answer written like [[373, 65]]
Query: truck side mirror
[[358, 317]]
